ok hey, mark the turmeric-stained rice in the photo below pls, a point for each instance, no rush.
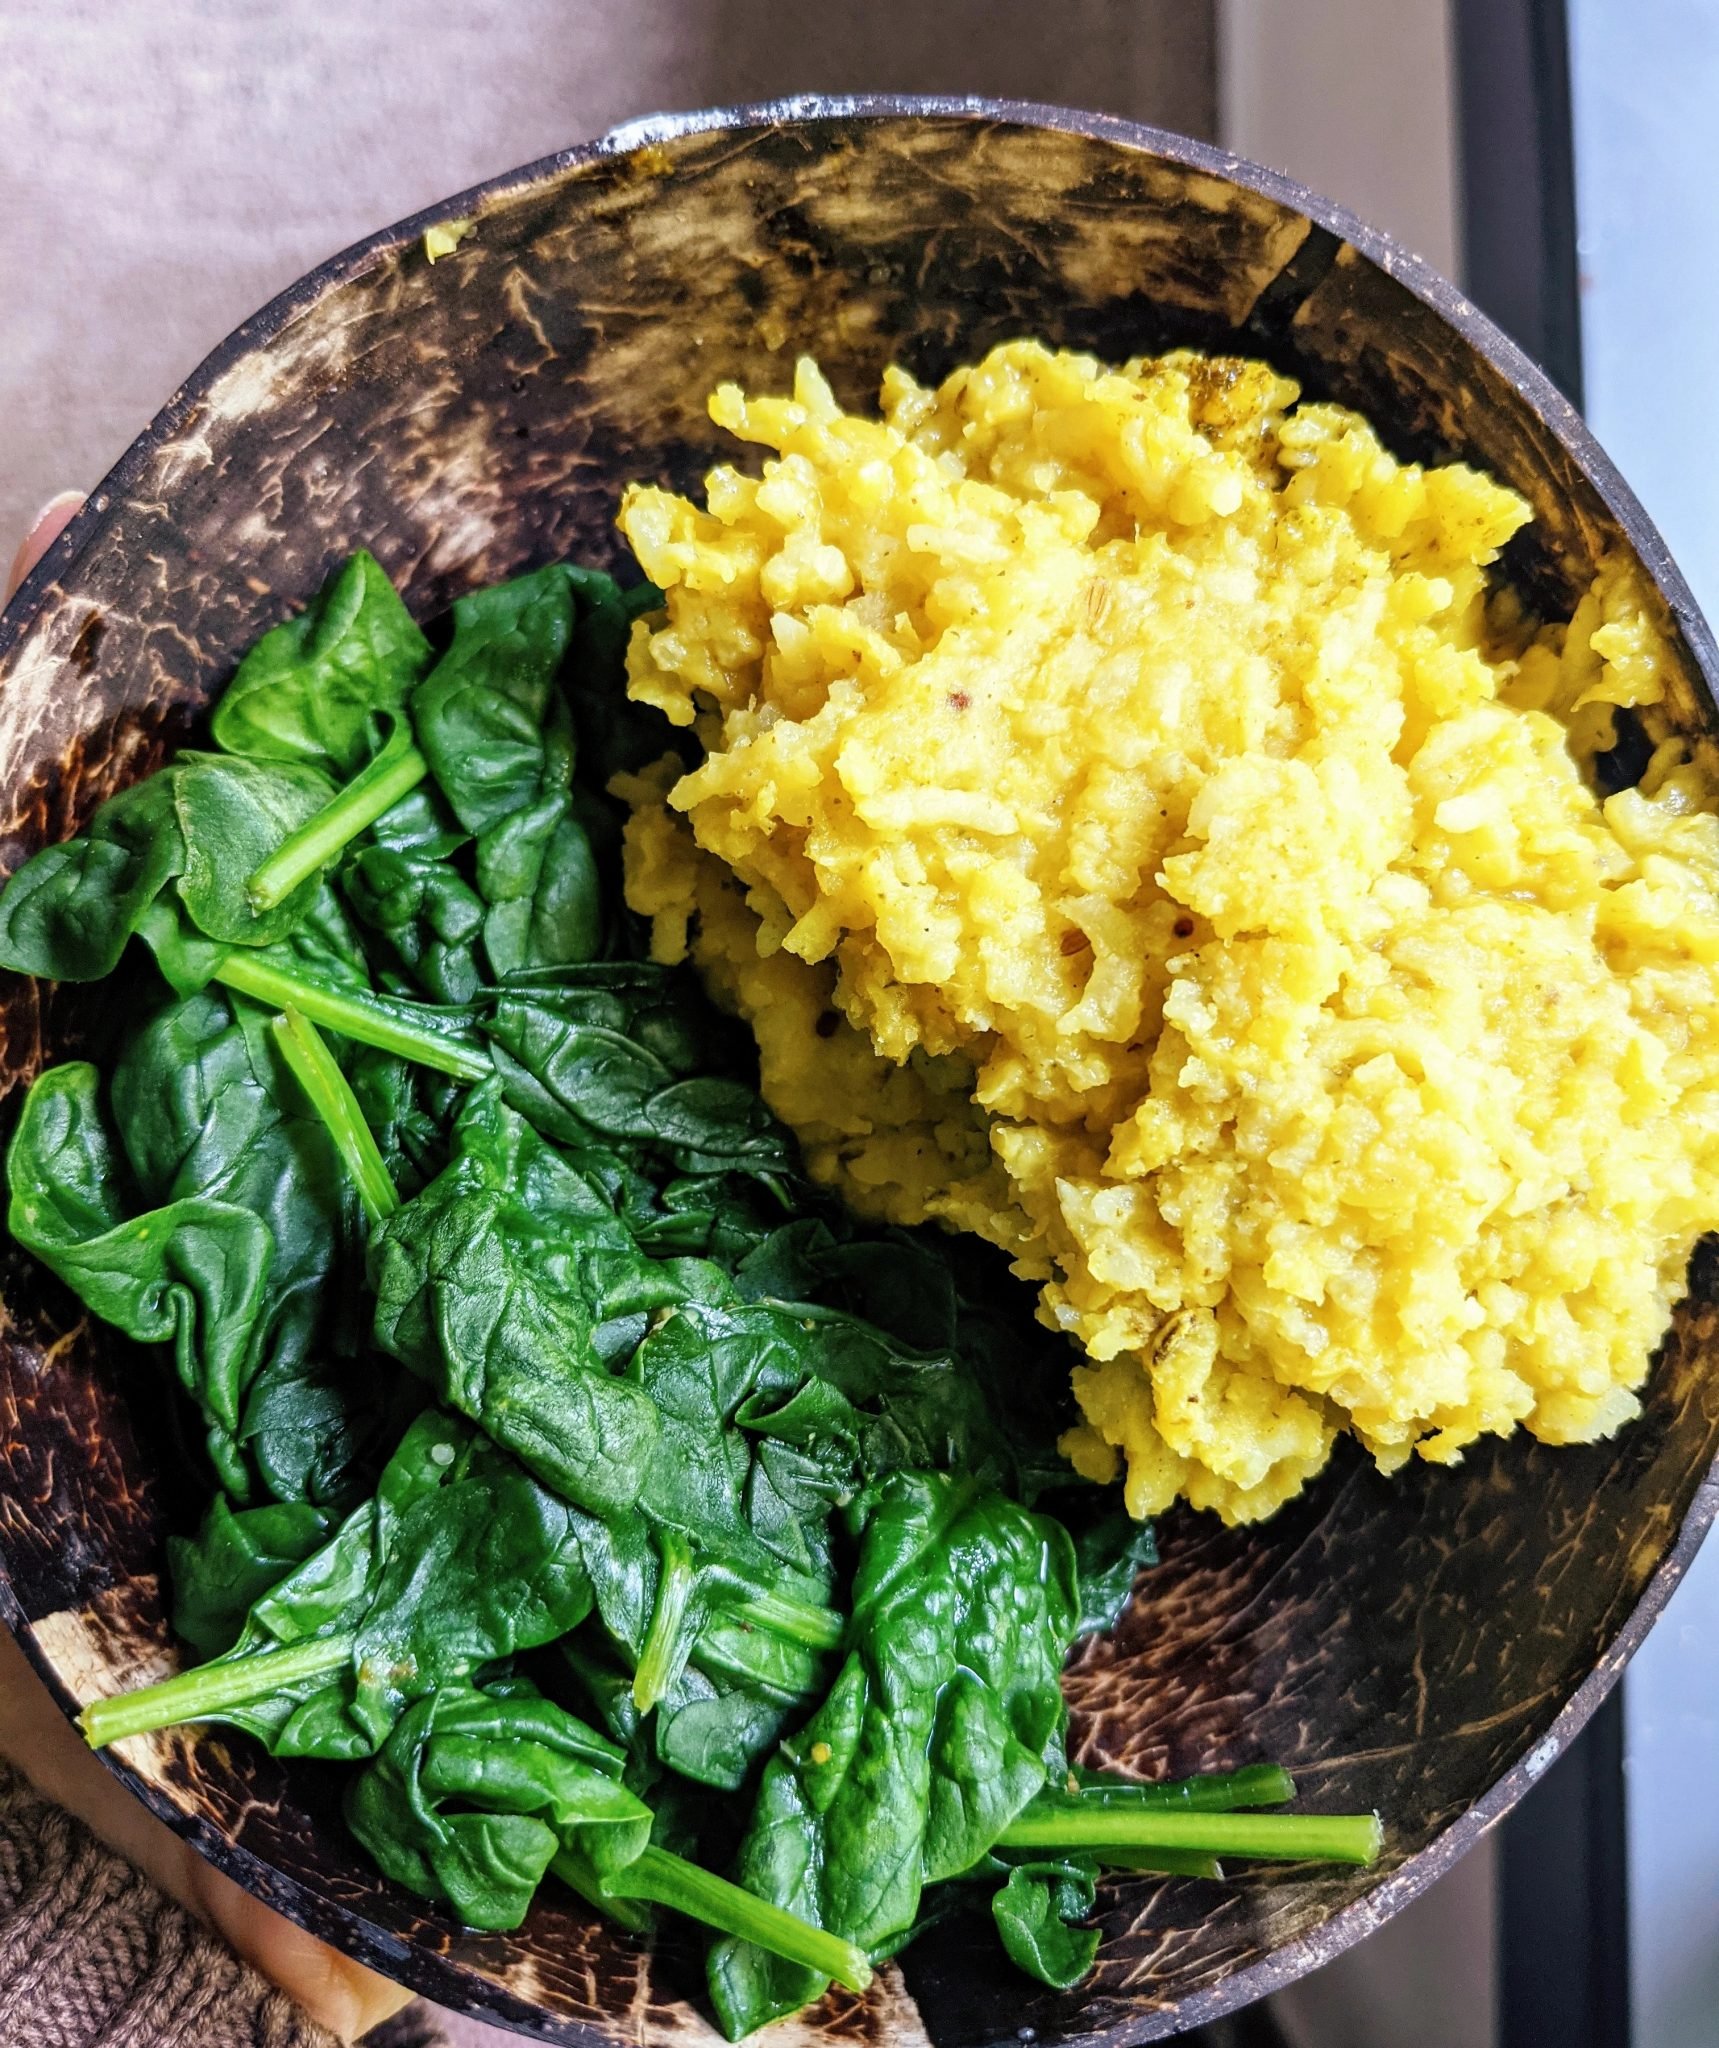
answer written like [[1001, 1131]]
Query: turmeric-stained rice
[[1137, 832]]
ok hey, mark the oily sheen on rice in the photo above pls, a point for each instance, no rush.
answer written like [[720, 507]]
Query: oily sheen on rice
[[1136, 832]]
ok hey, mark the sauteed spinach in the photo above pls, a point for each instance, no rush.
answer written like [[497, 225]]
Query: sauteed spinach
[[583, 1477]]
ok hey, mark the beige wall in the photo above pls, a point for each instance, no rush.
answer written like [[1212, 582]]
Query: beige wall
[[1353, 97], [168, 165]]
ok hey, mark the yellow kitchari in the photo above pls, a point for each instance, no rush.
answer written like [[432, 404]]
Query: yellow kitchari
[[1134, 834]]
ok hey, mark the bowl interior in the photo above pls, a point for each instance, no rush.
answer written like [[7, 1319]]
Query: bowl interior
[[1418, 1645]]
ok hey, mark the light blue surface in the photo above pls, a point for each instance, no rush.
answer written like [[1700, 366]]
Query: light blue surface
[[1646, 79]]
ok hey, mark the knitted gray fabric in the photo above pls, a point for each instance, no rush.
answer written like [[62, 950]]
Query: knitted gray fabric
[[93, 1956]]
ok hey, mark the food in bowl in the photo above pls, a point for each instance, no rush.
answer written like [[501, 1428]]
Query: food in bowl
[[593, 1487], [1138, 831], [1141, 829]]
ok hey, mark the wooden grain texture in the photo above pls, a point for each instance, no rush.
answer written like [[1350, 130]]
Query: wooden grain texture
[[1422, 1645]]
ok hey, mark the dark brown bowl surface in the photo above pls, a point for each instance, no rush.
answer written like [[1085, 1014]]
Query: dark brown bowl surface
[[1423, 1645]]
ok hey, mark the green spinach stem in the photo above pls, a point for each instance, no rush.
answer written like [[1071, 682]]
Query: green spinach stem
[[819, 1628], [1163, 1862], [331, 1096], [376, 788], [1212, 1792], [664, 1654], [195, 1695], [668, 1880], [355, 1016], [576, 1870], [1067, 1826]]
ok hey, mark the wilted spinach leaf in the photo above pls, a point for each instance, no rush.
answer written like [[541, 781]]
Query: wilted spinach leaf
[[192, 1274], [427, 911], [68, 912], [498, 736], [1110, 1549], [620, 1053], [463, 1300], [946, 1718], [474, 1793], [232, 815], [318, 689], [234, 1558], [1037, 1911], [458, 1560]]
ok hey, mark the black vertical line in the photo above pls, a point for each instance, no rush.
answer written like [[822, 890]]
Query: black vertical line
[[1517, 165], [1563, 1925], [1609, 1874], [1561, 283]]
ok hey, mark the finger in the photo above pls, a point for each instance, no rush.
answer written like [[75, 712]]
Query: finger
[[37, 1738], [347, 1998], [47, 526]]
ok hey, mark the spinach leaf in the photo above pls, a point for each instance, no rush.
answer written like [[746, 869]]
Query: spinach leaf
[[409, 1111], [945, 1719], [207, 1110], [478, 1792], [234, 1559], [224, 1227], [603, 1659], [703, 1365], [878, 1406], [1110, 1548], [68, 912], [479, 714], [616, 735], [1037, 1911], [459, 1560], [499, 740], [232, 815], [196, 829], [428, 913], [310, 1426], [325, 945], [474, 1793], [317, 689], [742, 1686], [489, 1565], [890, 1278], [463, 1300], [716, 1216], [729, 1638], [771, 1414], [404, 886], [620, 1053], [192, 1274]]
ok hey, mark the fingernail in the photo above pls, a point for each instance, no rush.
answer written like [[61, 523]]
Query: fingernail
[[61, 502], [40, 535]]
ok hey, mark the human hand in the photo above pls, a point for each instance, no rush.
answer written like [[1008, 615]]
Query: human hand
[[53, 519], [38, 1740]]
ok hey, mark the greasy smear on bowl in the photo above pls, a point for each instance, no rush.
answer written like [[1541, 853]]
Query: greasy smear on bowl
[[1139, 829]]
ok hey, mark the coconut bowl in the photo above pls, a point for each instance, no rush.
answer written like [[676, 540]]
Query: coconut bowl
[[1424, 1645]]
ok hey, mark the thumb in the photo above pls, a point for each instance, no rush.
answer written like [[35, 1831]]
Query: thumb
[[47, 526]]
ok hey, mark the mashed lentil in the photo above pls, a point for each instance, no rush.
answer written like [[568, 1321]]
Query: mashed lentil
[[1135, 833]]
